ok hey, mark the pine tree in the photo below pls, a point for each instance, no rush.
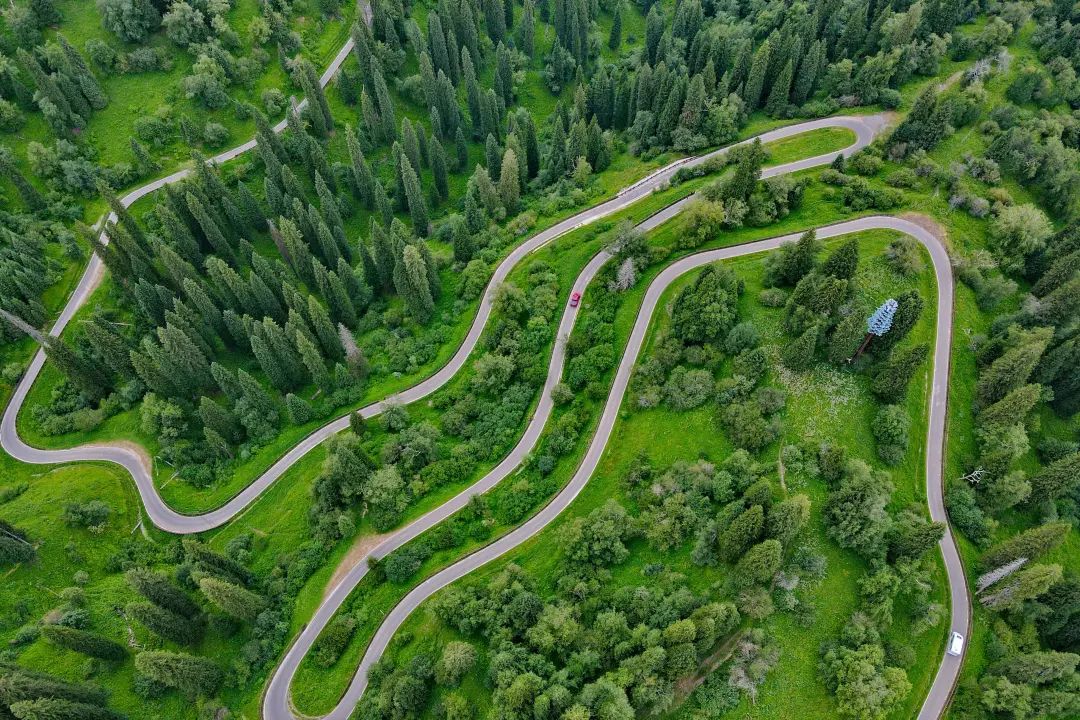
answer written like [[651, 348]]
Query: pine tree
[[192, 369], [191, 674], [778, 95], [362, 176], [157, 588], [251, 214], [298, 324], [330, 215], [322, 120], [439, 169], [615, 35], [414, 197], [466, 33], [794, 261], [509, 190], [694, 106], [219, 419], [384, 210], [230, 287], [232, 599], [341, 304], [431, 269], [269, 363], [47, 708], [324, 329], [747, 172], [186, 317], [317, 161], [212, 187], [890, 382], [799, 355], [409, 143], [809, 69], [755, 81], [82, 641], [880, 322], [846, 337], [1032, 544], [29, 194], [383, 255], [925, 126], [354, 283], [123, 215], [414, 288], [461, 149], [206, 306], [1012, 369], [298, 255], [1012, 408], [843, 262], [283, 349], [20, 684], [255, 408], [298, 409], [226, 380], [164, 623], [504, 75], [211, 231], [314, 363], [267, 137], [654, 30], [437, 48], [1057, 479], [45, 13], [145, 164], [526, 31], [495, 18], [909, 307], [88, 378], [327, 245], [50, 92], [357, 423], [150, 302], [492, 157], [387, 116], [109, 345], [273, 274], [473, 97]]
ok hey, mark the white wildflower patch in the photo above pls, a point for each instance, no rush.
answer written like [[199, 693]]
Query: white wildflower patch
[[824, 391]]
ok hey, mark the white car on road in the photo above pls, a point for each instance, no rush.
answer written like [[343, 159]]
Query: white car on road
[[956, 644]]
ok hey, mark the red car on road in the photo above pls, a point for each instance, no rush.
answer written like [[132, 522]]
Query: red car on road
[[575, 298]]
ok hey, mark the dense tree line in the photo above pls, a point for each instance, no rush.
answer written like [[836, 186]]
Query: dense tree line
[[479, 420], [29, 695], [654, 634]]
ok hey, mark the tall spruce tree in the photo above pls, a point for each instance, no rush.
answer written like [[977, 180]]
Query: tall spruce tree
[[87, 377], [191, 674], [755, 81], [439, 169], [158, 589]]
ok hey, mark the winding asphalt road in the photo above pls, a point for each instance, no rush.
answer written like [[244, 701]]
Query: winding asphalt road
[[166, 518], [277, 704]]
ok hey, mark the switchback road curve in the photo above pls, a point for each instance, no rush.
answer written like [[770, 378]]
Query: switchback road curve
[[864, 127], [277, 705]]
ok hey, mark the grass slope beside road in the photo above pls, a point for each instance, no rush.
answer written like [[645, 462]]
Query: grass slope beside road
[[666, 436]]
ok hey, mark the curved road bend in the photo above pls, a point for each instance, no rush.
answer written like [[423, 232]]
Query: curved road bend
[[865, 129], [277, 704]]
